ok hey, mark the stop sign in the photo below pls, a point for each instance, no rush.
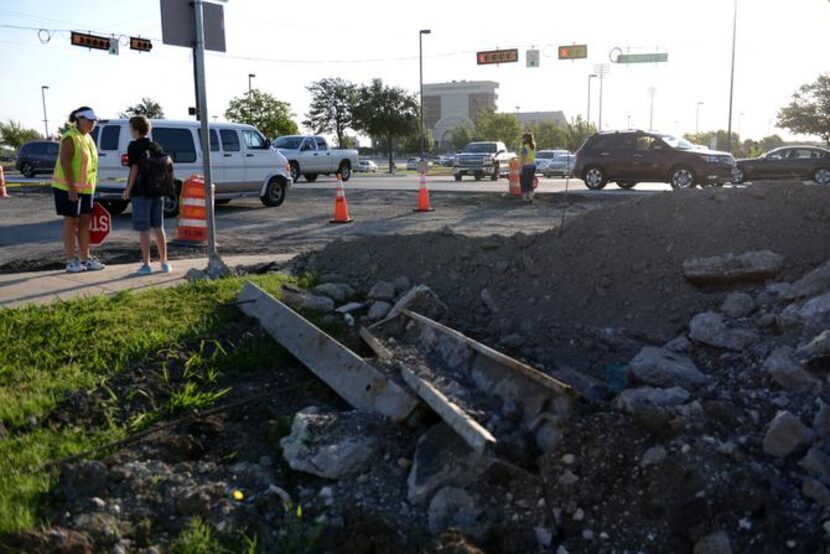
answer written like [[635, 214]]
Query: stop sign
[[100, 224]]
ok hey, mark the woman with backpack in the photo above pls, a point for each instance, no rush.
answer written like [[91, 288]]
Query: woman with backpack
[[73, 185], [151, 172]]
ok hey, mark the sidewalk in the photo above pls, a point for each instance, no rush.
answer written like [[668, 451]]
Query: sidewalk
[[44, 287]]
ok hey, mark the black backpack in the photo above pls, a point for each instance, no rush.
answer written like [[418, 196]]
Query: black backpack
[[156, 173]]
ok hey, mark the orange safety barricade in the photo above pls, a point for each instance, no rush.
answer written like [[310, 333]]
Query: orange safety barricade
[[515, 177], [3, 193], [192, 225], [341, 207], [423, 197]]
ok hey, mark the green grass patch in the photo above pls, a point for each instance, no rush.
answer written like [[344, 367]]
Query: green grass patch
[[78, 345], [200, 538]]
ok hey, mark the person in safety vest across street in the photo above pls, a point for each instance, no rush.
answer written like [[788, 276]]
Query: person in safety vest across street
[[73, 184], [527, 157], [150, 180]]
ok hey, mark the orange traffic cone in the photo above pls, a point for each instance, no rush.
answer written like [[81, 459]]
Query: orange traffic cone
[[515, 178], [3, 193], [341, 207], [423, 197], [192, 225]]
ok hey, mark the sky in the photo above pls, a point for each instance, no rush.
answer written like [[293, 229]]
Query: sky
[[287, 45]]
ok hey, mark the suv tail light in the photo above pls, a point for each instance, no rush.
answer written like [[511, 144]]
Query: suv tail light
[[125, 160]]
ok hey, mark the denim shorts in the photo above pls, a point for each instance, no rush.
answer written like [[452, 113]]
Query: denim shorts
[[148, 213]]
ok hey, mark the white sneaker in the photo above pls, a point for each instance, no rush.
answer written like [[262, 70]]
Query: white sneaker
[[93, 265], [74, 266]]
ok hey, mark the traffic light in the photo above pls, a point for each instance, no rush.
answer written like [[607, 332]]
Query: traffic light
[[573, 52], [140, 44], [90, 41], [497, 56]]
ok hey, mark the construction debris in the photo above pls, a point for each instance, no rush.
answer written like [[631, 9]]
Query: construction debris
[[729, 268]]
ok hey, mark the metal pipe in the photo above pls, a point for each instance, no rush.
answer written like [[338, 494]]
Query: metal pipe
[[732, 78], [421, 34]]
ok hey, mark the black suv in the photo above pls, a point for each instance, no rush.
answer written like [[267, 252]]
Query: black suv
[[631, 157], [38, 156]]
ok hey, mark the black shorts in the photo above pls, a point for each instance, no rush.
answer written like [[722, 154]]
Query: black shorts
[[64, 206]]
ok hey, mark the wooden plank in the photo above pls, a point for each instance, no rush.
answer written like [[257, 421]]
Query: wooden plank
[[345, 372], [506, 361], [467, 428], [377, 347]]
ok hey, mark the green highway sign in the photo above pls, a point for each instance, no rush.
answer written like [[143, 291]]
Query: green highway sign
[[642, 58]]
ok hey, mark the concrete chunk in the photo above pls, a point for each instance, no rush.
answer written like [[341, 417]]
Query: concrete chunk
[[710, 328], [729, 268], [657, 366]]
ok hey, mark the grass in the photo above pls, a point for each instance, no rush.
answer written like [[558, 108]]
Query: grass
[[52, 351], [200, 538]]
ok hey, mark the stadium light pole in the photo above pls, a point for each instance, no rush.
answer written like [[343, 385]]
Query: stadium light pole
[[45, 119], [421, 34], [732, 77], [588, 113]]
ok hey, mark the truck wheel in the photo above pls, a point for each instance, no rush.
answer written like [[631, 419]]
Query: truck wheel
[[682, 178], [171, 203], [595, 178], [457, 176], [295, 171], [310, 177], [478, 176], [345, 171], [115, 207], [274, 193], [495, 175]]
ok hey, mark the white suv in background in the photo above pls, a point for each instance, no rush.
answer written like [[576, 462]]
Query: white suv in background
[[242, 160]]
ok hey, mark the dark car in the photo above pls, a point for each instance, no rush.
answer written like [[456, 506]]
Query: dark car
[[38, 156], [807, 163], [631, 157]]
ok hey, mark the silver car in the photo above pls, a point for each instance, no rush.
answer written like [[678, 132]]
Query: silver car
[[560, 165]]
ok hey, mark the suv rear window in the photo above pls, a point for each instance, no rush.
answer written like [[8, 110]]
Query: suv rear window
[[109, 137], [614, 142], [178, 143], [230, 140]]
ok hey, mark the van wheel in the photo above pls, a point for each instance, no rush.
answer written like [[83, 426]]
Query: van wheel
[[682, 178], [115, 207], [595, 178], [295, 171], [345, 171], [274, 193], [171, 203], [310, 177]]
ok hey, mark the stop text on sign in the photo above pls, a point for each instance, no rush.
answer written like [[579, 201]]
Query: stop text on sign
[[489, 57]]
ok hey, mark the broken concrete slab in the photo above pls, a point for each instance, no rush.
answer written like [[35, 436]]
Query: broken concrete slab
[[420, 299], [383, 290], [737, 305], [729, 268], [350, 307], [662, 368], [303, 300], [813, 284], [710, 328], [630, 399], [815, 314], [819, 347], [786, 434], [452, 507], [817, 463], [350, 376], [788, 372], [330, 445], [339, 292], [378, 310]]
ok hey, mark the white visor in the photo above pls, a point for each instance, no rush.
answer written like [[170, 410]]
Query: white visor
[[87, 114]]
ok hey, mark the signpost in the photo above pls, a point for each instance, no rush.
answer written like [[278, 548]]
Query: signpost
[[532, 57], [100, 224], [489, 57], [200, 26], [573, 52], [643, 58]]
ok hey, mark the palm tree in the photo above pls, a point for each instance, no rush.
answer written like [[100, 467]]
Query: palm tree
[[147, 107]]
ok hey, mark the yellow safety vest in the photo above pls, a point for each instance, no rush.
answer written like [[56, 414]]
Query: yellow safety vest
[[84, 163], [528, 155]]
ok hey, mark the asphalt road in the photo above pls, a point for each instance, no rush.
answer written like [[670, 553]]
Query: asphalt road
[[30, 231]]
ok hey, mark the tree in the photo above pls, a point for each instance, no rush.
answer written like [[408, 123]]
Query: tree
[[332, 104], [412, 142], [147, 107], [705, 139], [385, 112], [771, 142], [502, 127], [271, 116], [809, 112], [580, 131], [13, 134], [550, 135], [460, 137]]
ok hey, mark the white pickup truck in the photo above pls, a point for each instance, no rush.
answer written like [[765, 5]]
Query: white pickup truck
[[310, 156]]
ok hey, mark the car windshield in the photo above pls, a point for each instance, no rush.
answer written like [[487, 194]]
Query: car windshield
[[480, 148], [289, 143], [678, 143]]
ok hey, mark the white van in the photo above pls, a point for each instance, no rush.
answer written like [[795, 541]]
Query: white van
[[243, 162]]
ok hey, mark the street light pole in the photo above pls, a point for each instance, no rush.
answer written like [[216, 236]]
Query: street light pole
[[250, 76], [697, 117], [45, 120], [651, 91], [588, 113], [628, 124], [732, 77], [421, 34]]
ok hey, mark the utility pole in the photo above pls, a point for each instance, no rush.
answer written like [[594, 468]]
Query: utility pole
[[202, 113], [651, 92], [250, 76], [602, 70], [628, 124], [45, 120], [732, 78], [588, 113], [697, 118], [421, 34]]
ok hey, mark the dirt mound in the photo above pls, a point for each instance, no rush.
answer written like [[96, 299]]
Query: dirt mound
[[612, 279]]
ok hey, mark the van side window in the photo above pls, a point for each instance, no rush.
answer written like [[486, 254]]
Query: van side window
[[253, 140], [214, 140], [109, 137], [230, 140], [321, 143], [178, 143]]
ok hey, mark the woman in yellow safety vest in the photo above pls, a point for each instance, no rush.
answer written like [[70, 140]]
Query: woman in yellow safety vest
[[527, 157], [73, 184]]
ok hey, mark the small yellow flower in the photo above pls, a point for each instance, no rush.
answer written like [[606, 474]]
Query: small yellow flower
[[238, 495]]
